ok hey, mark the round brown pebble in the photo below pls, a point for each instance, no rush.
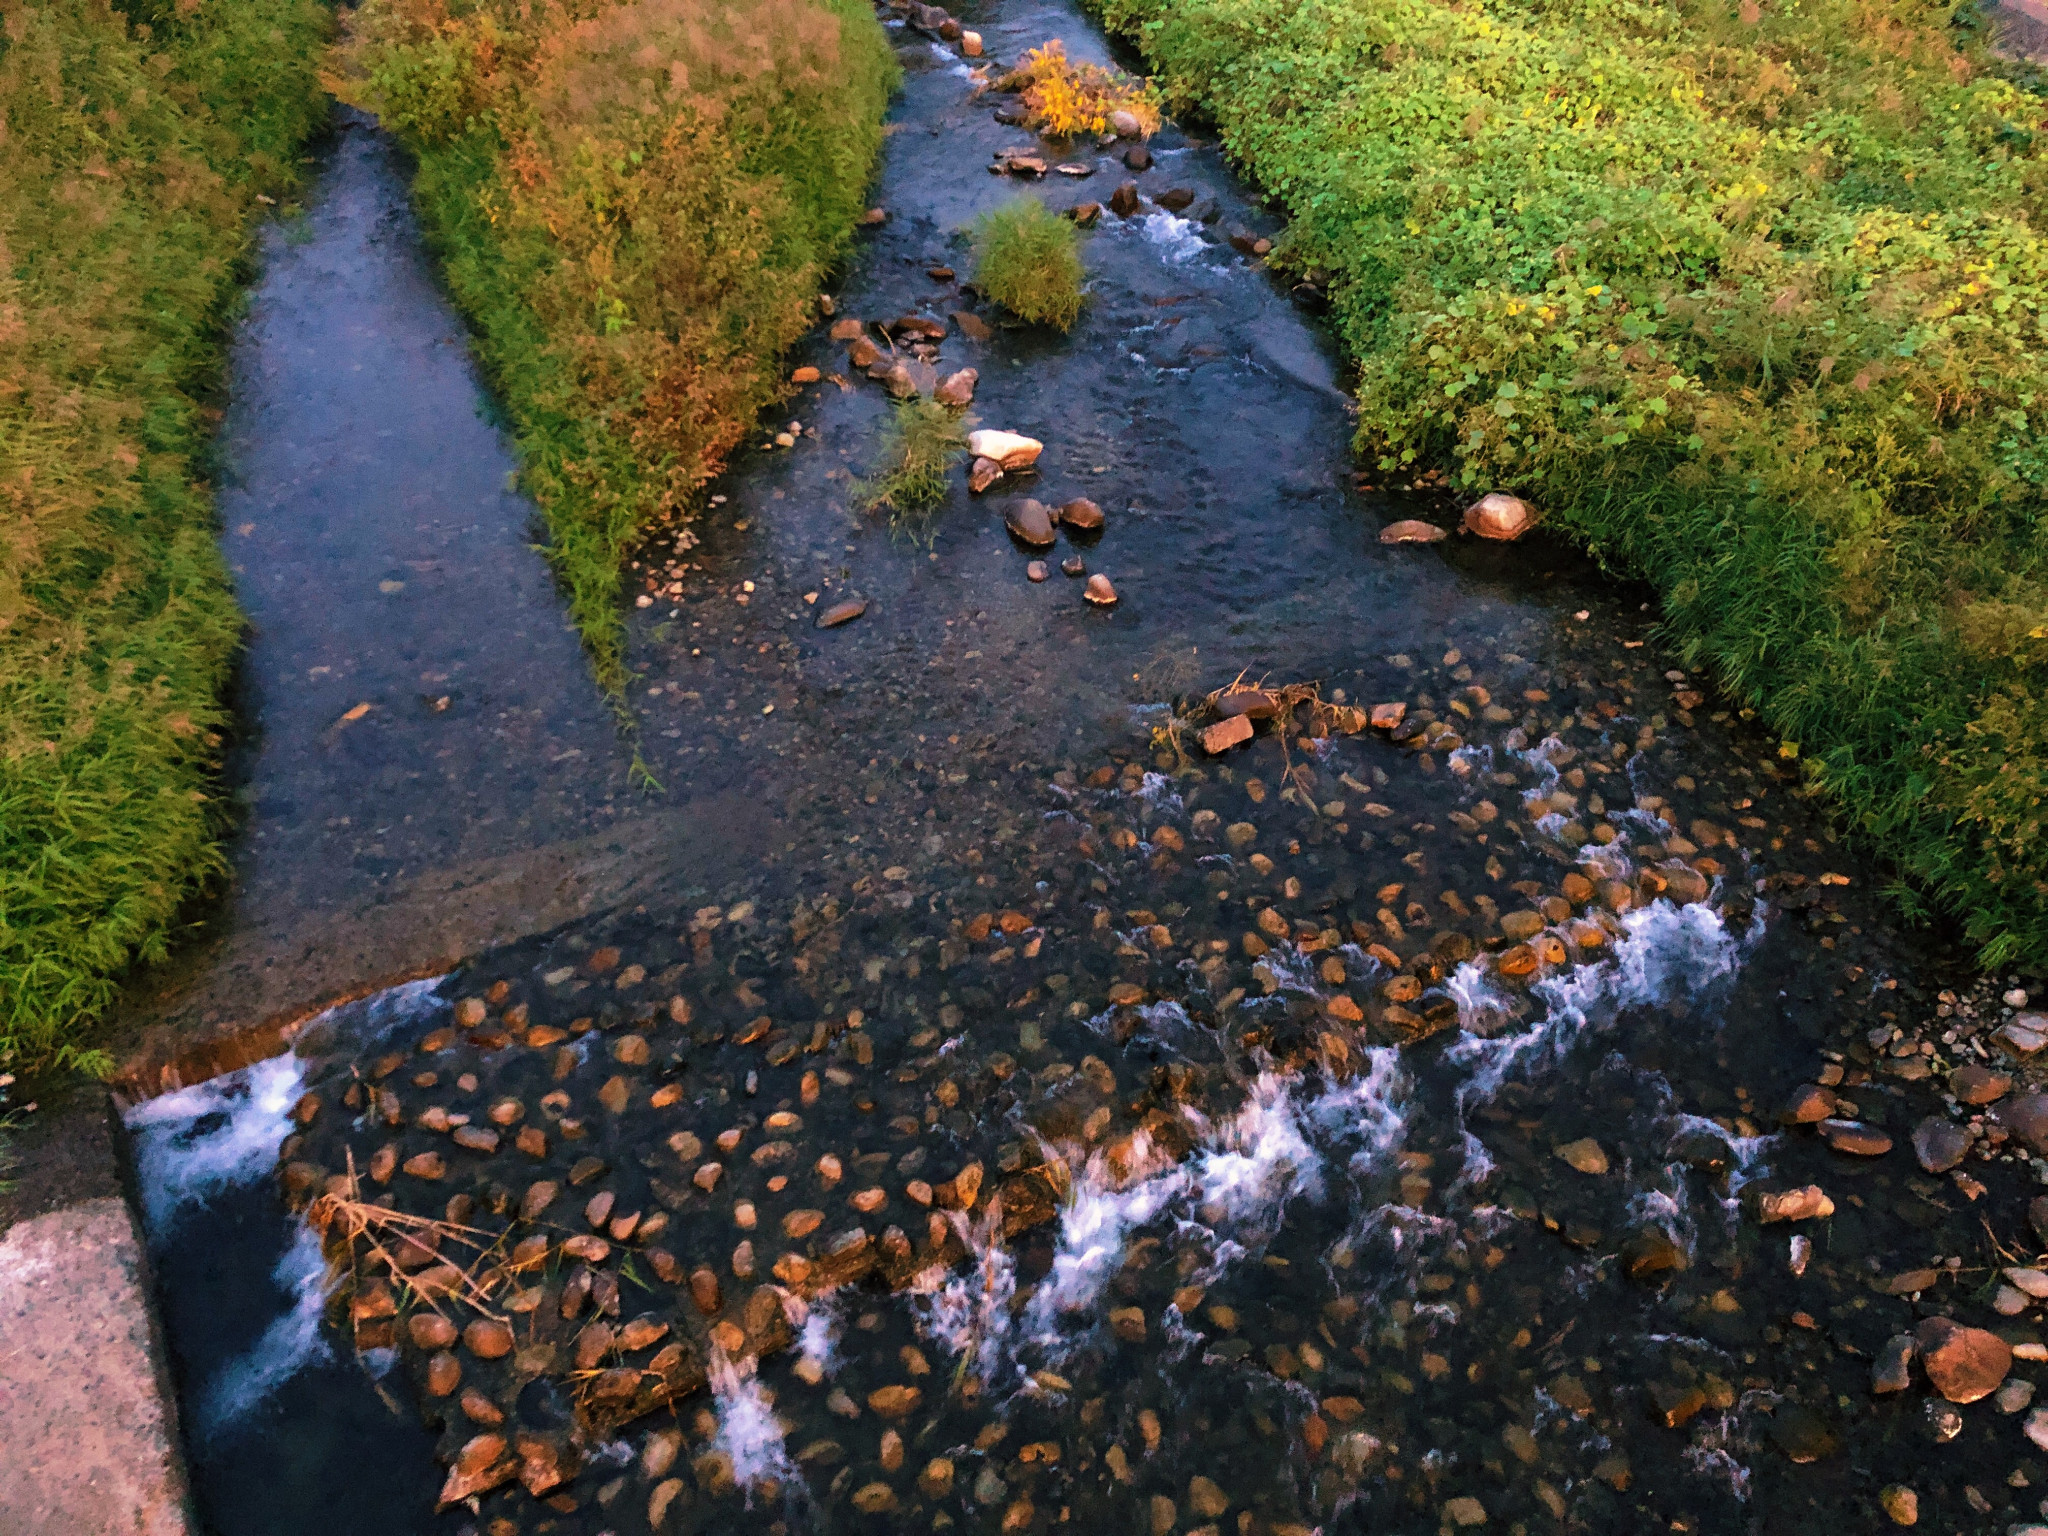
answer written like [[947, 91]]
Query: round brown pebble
[[488, 1339], [1100, 591], [1036, 570]]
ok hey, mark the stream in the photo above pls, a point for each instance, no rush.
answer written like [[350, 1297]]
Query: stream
[[955, 1100]]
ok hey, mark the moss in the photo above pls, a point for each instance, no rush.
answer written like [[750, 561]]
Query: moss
[[1028, 259], [635, 206], [135, 147], [923, 442], [1758, 310]]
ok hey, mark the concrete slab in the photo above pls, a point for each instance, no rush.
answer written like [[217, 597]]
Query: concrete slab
[[92, 1449]]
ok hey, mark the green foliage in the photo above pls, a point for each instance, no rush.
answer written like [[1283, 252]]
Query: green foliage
[[132, 149], [923, 442], [1028, 259], [1754, 302], [635, 205]]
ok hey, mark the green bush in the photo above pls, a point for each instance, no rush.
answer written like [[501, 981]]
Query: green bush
[[635, 205], [923, 442], [133, 146], [1028, 259], [1753, 302]]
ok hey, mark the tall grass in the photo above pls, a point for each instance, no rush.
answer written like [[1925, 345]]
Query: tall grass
[[1753, 300], [134, 146], [635, 205]]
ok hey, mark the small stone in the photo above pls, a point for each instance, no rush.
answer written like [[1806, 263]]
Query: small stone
[[1939, 1144], [2024, 1034], [805, 375], [427, 1165], [2037, 1428], [1411, 530], [842, 613], [894, 1402], [970, 44], [1074, 565], [1900, 1503], [2033, 1281], [1124, 124], [2027, 1118], [983, 474], [2014, 1396], [1855, 1138], [936, 1480], [1099, 591], [1081, 514], [1231, 731], [1807, 1204], [1011, 450], [1128, 1323], [874, 1498], [1975, 1085], [1206, 1498], [1802, 1434], [1892, 1370], [848, 329], [488, 1339], [1672, 1404], [1387, 717], [1585, 1154], [900, 382], [1464, 1511], [1964, 1364], [1029, 523], [1499, 516], [1138, 158], [1037, 571], [1175, 199], [863, 354], [1809, 1105], [1123, 202], [430, 1330], [1651, 1253], [957, 389]]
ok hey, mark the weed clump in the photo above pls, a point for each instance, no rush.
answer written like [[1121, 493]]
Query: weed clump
[[136, 141], [1065, 99], [1759, 313], [1028, 259], [635, 205], [922, 443]]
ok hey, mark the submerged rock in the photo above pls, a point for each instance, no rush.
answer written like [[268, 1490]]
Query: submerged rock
[[842, 613], [1099, 591], [1499, 516], [1939, 1144], [957, 389], [1411, 530], [982, 474], [1029, 522], [1964, 1364]]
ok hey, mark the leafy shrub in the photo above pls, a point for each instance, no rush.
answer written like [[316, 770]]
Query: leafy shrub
[[132, 149], [1754, 302], [1066, 99], [1028, 259], [635, 205], [923, 442]]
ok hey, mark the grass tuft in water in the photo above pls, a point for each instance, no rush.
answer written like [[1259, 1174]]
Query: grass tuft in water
[[1028, 259], [920, 446]]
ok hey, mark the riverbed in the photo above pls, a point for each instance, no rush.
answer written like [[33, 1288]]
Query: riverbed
[[1348, 1220]]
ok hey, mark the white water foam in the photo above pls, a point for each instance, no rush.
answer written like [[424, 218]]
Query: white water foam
[[291, 1342], [748, 1431], [1179, 240], [213, 1136]]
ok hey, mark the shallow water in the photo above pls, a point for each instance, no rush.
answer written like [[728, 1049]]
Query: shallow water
[[1367, 1286]]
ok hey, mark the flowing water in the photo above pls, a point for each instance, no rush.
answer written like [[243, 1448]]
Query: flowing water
[[1364, 1134]]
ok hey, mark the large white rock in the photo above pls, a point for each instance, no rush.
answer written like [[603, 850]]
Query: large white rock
[[1010, 449], [1498, 515]]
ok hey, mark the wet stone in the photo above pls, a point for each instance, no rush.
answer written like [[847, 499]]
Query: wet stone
[[843, 612], [1854, 1138], [1964, 1364], [1029, 523], [1977, 1085], [1940, 1144]]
